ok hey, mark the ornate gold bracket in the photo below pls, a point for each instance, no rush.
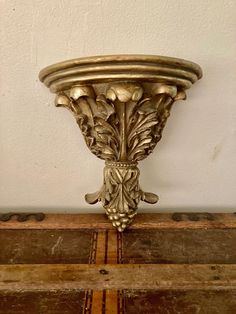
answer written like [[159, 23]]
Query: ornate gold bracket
[[121, 104]]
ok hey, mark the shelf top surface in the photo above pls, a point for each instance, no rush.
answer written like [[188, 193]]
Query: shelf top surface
[[110, 68]]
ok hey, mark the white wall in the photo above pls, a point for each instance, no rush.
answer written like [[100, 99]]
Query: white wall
[[44, 163]]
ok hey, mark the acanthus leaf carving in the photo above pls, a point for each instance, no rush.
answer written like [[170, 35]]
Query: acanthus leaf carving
[[122, 127]]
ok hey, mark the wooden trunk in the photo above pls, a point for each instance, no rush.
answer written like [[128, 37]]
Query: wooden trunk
[[165, 263]]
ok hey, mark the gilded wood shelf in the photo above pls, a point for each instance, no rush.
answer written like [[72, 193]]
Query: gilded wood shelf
[[121, 104]]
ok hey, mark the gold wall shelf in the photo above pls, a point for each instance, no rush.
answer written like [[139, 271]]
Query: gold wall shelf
[[121, 104]]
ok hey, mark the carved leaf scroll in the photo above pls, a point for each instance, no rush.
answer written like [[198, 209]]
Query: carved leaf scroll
[[100, 123], [122, 127]]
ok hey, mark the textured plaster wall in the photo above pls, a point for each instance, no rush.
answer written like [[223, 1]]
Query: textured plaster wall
[[44, 163]]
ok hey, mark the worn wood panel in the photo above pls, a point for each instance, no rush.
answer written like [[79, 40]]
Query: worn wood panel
[[100, 277], [45, 246], [179, 302], [178, 246], [43, 302], [170, 246], [134, 302], [99, 287], [142, 221]]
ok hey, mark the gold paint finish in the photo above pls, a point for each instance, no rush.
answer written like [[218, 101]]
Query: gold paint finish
[[121, 104]]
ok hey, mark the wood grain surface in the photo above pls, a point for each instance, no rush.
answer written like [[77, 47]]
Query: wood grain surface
[[100, 277], [142, 221], [181, 263]]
